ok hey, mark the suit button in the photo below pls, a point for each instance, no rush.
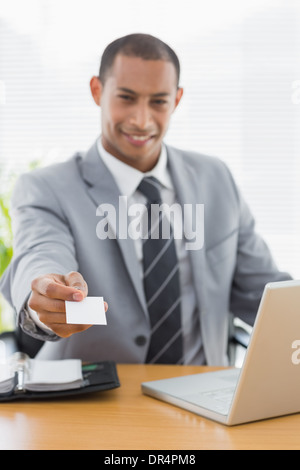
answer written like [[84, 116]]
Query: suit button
[[140, 340]]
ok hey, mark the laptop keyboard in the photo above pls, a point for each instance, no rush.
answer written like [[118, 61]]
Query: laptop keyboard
[[224, 395], [215, 400]]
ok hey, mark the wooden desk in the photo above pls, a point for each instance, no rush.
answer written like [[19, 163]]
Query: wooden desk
[[125, 419]]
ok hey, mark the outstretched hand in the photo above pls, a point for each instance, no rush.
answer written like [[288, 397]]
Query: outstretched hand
[[48, 296]]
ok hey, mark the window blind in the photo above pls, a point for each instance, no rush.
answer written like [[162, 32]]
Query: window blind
[[240, 69]]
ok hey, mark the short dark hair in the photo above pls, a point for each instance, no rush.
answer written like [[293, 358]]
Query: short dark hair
[[145, 46]]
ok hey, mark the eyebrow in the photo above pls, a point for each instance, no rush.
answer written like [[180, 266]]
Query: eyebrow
[[127, 90]]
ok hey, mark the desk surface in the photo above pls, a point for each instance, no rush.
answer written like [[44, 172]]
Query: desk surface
[[125, 419]]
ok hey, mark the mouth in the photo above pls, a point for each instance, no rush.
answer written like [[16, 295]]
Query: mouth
[[138, 139]]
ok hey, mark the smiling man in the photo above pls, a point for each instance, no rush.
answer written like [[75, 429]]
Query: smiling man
[[137, 98], [166, 303]]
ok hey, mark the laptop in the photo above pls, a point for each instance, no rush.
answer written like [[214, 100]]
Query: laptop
[[268, 383]]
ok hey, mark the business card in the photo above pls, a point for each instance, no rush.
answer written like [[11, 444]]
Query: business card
[[90, 311]]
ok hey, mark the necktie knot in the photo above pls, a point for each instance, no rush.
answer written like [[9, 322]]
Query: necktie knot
[[150, 188]]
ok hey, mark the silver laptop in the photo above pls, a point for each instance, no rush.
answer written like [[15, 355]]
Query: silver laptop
[[267, 385]]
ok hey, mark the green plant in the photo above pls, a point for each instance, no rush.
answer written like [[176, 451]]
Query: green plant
[[7, 181], [6, 246], [6, 249]]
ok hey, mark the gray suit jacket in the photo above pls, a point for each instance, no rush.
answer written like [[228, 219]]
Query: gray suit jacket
[[54, 221]]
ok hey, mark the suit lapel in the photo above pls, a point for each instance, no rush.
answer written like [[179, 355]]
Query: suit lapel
[[188, 191], [102, 189]]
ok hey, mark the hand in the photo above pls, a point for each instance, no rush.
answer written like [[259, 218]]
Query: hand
[[48, 296]]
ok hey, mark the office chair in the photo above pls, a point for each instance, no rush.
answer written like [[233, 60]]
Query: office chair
[[238, 340]]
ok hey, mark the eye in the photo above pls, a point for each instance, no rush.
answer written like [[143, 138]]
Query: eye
[[160, 102], [126, 97]]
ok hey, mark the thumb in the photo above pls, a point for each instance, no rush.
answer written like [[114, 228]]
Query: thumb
[[76, 281]]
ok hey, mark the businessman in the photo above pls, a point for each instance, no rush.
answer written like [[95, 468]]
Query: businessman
[[167, 300]]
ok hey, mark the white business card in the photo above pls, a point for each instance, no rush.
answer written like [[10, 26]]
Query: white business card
[[90, 311]]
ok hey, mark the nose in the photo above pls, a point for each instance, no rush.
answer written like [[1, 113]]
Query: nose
[[141, 116]]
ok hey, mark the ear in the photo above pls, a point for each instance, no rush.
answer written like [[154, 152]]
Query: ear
[[178, 97], [96, 90]]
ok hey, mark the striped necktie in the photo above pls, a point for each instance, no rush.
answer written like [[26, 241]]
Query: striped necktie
[[161, 282]]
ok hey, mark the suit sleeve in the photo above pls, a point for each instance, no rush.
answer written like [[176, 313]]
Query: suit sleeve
[[255, 267], [43, 244]]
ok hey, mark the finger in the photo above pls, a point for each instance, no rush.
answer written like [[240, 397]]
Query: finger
[[54, 287], [52, 318], [76, 281], [38, 303], [64, 331]]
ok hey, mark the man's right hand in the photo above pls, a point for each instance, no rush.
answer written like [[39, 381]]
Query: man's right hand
[[48, 296]]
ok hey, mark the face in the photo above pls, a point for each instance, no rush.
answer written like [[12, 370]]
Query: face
[[137, 101]]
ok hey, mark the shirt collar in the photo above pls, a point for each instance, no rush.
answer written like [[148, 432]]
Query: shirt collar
[[128, 178]]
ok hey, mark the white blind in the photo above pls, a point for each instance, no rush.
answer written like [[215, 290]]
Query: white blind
[[240, 73]]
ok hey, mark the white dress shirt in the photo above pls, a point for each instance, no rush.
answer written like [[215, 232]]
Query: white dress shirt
[[128, 179]]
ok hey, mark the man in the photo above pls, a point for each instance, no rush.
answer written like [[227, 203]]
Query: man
[[61, 255]]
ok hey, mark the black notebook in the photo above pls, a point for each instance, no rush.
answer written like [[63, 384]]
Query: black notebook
[[23, 378]]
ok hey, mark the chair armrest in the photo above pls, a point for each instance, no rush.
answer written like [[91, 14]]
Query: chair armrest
[[241, 336], [14, 341]]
